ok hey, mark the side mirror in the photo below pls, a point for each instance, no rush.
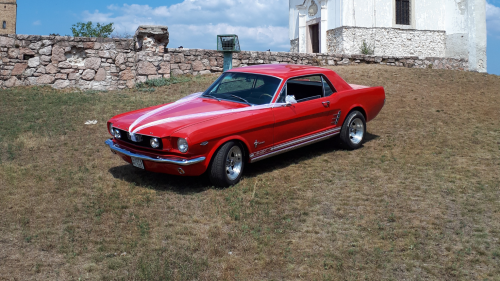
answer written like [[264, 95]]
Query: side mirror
[[290, 100]]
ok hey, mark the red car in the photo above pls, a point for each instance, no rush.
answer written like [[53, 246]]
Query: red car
[[248, 114]]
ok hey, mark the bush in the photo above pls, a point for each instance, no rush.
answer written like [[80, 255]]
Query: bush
[[367, 49], [81, 29], [161, 82]]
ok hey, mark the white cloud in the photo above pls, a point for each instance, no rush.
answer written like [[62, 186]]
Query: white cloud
[[260, 24], [493, 19], [37, 22]]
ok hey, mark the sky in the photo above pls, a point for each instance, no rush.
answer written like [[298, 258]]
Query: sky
[[259, 24]]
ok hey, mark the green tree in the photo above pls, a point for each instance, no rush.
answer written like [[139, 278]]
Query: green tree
[[81, 29]]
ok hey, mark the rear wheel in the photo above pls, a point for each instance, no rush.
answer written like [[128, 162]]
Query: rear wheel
[[353, 130], [227, 165]]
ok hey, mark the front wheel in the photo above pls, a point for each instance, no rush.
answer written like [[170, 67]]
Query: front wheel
[[227, 165], [353, 130]]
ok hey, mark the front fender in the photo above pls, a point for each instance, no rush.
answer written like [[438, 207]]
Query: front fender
[[222, 141]]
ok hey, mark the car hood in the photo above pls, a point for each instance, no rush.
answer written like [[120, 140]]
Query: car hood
[[164, 120]]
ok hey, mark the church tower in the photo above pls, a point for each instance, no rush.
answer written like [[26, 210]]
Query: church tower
[[8, 16]]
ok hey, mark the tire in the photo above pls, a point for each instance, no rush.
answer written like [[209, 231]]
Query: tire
[[227, 165], [353, 130]]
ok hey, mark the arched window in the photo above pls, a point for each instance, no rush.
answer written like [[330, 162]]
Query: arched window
[[4, 25], [403, 12]]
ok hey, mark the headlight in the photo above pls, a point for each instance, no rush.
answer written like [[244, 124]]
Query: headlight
[[117, 133], [155, 143], [182, 145], [111, 129]]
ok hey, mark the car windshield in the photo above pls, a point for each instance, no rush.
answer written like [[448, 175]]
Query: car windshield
[[248, 88]]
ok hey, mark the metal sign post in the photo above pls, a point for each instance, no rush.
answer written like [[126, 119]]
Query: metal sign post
[[228, 44]]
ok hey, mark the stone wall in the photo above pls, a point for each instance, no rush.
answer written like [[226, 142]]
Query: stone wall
[[387, 41], [109, 64]]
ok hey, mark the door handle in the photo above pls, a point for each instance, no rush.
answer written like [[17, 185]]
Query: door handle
[[326, 103]]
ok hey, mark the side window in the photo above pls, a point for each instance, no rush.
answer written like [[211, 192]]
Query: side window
[[282, 96], [328, 91], [305, 88]]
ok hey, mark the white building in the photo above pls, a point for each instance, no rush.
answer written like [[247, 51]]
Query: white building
[[426, 28]]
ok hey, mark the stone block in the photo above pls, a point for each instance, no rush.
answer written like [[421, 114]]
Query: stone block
[[69, 71], [52, 69], [92, 63], [45, 79], [88, 45], [101, 75], [73, 76], [58, 54], [45, 59], [31, 81], [61, 76], [127, 74], [34, 62], [165, 68], [197, 65], [47, 51], [146, 68], [88, 74], [65, 65], [26, 51], [19, 68], [142, 79], [6, 42], [29, 72], [120, 59], [150, 77], [13, 53], [179, 58], [12, 82], [61, 84], [184, 66], [177, 72]]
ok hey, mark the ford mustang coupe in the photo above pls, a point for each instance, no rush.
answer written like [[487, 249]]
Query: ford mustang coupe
[[248, 114]]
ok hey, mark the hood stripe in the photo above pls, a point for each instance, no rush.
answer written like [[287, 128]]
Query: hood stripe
[[206, 114], [165, 107]]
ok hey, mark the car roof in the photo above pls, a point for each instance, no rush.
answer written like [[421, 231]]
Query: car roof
[[282, 70], [286, 71]]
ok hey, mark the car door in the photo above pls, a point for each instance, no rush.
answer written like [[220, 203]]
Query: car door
[[312, 114]]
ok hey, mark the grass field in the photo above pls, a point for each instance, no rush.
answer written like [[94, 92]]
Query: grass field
[[419, 201]]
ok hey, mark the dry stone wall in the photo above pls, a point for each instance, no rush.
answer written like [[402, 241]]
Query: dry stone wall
[[109, 64]]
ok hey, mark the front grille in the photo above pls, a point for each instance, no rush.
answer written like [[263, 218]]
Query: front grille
[[143, 140]]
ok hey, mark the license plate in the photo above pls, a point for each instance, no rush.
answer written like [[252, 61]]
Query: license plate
[[137, 163]]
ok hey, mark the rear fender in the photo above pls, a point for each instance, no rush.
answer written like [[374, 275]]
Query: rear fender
[[344, 115]]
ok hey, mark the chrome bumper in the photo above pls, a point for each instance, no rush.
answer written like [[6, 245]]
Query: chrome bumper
[[181, 162]]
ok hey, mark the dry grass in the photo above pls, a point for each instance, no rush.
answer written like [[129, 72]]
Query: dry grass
[[420, 200]]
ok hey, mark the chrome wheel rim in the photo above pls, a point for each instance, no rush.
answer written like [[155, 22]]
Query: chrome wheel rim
[[234, 162], [356, 130]]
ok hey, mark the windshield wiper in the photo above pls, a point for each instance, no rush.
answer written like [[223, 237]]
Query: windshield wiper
[[209, 95], [240, 98]]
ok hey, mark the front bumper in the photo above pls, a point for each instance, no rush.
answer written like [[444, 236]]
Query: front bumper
[[159, 164]]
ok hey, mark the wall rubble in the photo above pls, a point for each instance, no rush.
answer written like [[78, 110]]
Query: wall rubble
[[110, 64]]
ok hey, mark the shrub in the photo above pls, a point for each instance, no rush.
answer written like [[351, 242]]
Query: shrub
[[367, 49]]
